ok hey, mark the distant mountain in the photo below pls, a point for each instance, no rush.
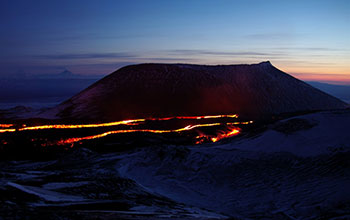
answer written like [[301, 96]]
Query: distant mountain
[[66, 74], [340, 91], [157, 90], [41, 90]]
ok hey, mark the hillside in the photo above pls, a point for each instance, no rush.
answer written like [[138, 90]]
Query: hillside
[[158, 90]]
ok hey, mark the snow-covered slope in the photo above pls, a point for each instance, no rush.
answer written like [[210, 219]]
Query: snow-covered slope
[[156, 90], [297, 169], [308, 135]]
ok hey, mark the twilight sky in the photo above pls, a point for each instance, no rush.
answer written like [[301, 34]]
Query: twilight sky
[[308, 39]]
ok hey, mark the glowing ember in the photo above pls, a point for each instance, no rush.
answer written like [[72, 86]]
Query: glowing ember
[[232, 132]]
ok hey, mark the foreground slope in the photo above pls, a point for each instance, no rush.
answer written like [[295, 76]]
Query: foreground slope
[[297, 168], [158, 90]]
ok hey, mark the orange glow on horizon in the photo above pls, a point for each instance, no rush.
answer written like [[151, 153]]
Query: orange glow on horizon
[[318, 71], [341, 79]]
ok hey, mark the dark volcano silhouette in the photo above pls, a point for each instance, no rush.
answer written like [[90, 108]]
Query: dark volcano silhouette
[[161, 90]]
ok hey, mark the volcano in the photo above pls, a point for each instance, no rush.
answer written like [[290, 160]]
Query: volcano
[[163, 90]]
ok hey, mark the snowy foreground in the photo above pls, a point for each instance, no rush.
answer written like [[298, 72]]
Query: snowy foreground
[[298, 168]]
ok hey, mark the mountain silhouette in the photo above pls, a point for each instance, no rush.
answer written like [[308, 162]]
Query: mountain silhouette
[[161, 90]]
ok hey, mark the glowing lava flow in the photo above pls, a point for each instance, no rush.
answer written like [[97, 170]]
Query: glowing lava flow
[[187, 128], [7, 130], [230, 129], [6, 125], [232, 132], [240, 123], [124, 122], [195, 117]]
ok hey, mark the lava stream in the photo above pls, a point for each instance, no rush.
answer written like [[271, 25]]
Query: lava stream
[[229, 131], [124, 122], [6, 125], [187, 128], [7, 130], [61, 126]]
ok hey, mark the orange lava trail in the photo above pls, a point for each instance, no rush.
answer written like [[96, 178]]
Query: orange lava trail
[[187, 128], [240, 123], [194, 117], [233, 132], [7, 130], [6, 125], [124, 122], [202, 137]]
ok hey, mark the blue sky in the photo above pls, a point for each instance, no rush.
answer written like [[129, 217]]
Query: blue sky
[[309, 39]]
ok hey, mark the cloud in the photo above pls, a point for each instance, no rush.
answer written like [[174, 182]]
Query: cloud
[[309, 48], [170, 59], [71, 56], [165, 55], [221, 53], [264, 36]]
